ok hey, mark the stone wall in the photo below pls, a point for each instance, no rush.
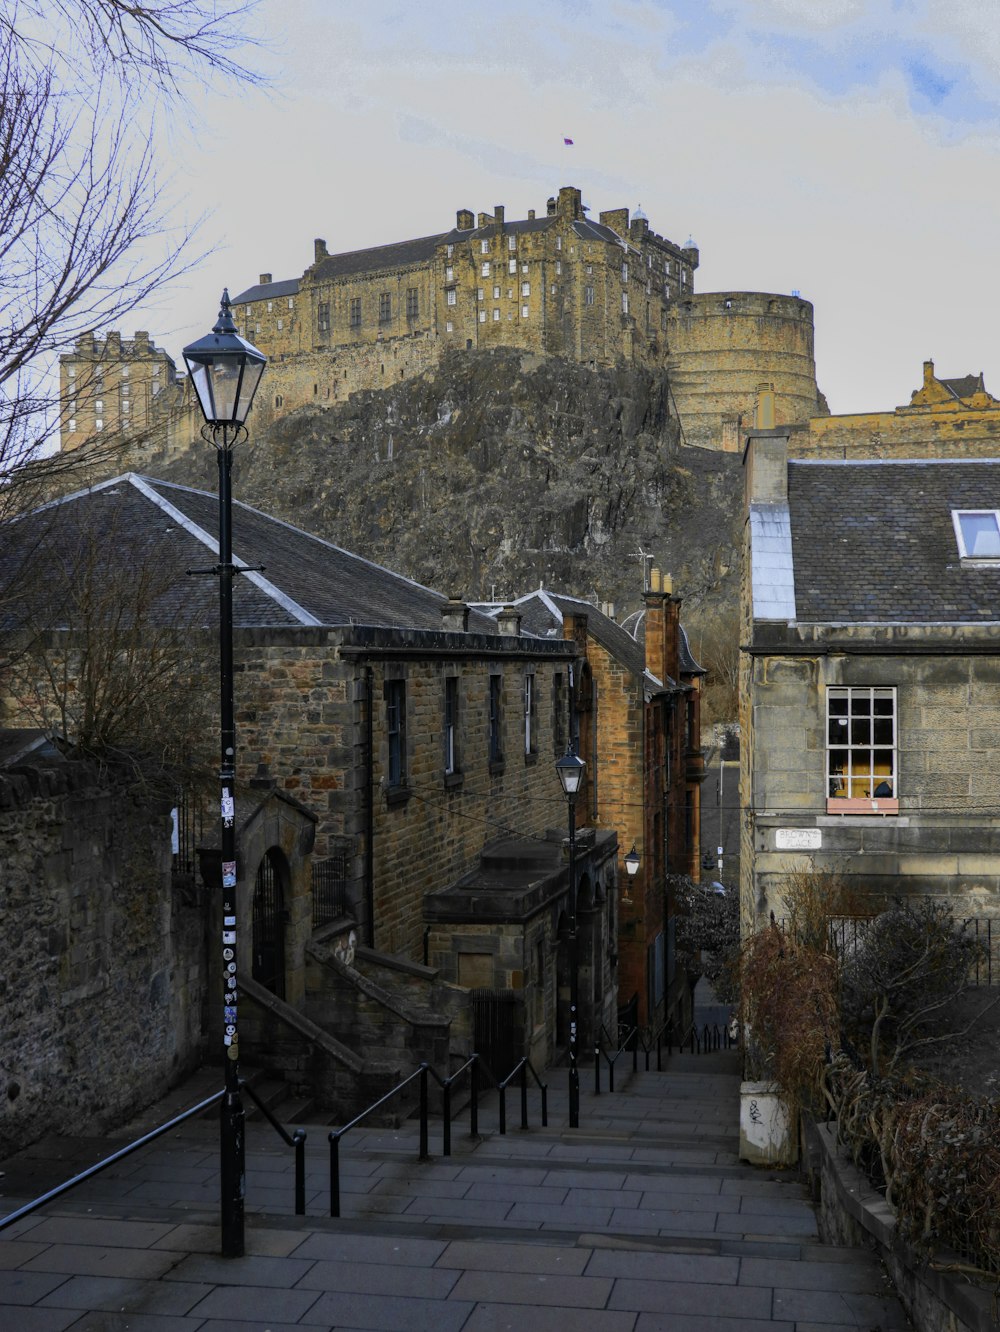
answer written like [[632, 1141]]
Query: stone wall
[[103, 984]]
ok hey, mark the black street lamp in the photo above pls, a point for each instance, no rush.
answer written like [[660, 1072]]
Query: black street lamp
[[570, 769], [225, 371], [632, 869]]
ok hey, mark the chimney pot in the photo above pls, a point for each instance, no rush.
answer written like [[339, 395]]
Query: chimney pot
[[265, 279], [509, 621]]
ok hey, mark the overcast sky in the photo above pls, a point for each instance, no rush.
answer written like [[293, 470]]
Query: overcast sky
[[846, 149]]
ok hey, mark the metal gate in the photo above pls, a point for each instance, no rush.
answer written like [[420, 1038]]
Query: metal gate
[[269, 928], [497, 1028]]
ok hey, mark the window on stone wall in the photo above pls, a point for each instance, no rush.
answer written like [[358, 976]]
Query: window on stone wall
[[861, 749], [482, 316], [530, 716], [451, 725], [512, 266], [451, 296], [496, 316], [525, 288], [663, 321], [495, 734], [625, 302], [624, 272], [484, 247], [486, 269], [588, 295], [511, 242], [395, 729], [412, 302], [496, 293], [524, 312], [449, 274], [355, 312], [384, 307]]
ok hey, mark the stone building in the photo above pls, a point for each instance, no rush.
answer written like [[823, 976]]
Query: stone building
[[120, 386], [636, 721], [870, 690], [416, 733], [600, 292]]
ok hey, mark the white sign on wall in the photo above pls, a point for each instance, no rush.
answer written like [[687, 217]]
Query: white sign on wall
[[798, 839]]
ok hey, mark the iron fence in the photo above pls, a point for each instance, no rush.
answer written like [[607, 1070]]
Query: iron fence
[[329, 888], [848, 932]]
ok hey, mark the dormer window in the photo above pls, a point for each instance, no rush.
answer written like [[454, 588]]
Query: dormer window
[[978, 533]]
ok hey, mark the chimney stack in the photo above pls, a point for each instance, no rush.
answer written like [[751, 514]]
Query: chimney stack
[[509, 621]]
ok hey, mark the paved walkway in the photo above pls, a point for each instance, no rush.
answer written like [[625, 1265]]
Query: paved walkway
[[642, 1220]]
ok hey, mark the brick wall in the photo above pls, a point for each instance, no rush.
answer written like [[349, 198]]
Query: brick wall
[[103, 991]]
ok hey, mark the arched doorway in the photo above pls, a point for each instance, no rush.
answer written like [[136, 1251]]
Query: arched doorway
[[269, 926]]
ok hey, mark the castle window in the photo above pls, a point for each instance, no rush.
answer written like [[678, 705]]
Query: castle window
[[624, 302], [291, 302], [524, 268], [496, 316], [590, 268], [558, 267], [449, 274], [278, 400], [525, 288], [481, 294], [524, 312], [588, 295], [482, 316], [511, 265], [486, 269], [355, 312], [649, 261], [412, 302], [624, 272], [449, 327], [395, 727], [451, 296], [511, 243], [484, 247], [270, 307], [323, 316], [666, 266], [384, 307], [496, 293], [281, 324], [559, 242], [451, 250]]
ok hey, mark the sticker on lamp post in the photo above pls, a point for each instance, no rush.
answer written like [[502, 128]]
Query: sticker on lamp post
[[229, 874]]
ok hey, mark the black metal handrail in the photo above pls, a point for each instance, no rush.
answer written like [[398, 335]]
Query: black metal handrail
[[296, 1140], [425, 1070], [122, 1152], [611, 1056], [651, 1039], [709, 1039]]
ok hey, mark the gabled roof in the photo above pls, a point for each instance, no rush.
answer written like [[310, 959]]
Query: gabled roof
[[401, 254], [964, 387], [135, 522], [874, 541], [266, 291]]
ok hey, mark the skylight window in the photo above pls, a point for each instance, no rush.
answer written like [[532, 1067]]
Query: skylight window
[[978, 532]]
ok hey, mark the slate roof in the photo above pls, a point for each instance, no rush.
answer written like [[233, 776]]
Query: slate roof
[[875, 542], [542, 615], [266, 291], [398, 255], [966, 386], [137, 523]]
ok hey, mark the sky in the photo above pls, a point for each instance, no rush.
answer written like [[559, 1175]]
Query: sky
[[845, 149]]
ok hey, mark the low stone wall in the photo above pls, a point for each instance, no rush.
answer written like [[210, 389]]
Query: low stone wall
[[852, 1212], [102, 985]]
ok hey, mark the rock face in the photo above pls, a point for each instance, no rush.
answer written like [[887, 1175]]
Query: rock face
[[502, 470]]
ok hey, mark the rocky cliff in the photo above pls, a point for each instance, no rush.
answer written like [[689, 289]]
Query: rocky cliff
[[500, 471]]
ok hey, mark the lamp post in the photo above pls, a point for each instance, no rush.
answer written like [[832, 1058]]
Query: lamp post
[[225, 371], [570, 770], [631, 869]]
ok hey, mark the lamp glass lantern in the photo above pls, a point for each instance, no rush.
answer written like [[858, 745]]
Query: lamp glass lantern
[[225, 370], [571, 769], [632, 862]]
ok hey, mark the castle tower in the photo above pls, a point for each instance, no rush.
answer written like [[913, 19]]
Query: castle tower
[[740, 359]]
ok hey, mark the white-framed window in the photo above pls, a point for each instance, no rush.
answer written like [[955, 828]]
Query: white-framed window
[[71, 425], [978, 533], [281, 325], [861, 749], [511, 242], [558, 267], [449, 274], [588, 295], [124, 390], [71, 371], [524, 312], [482, 316], [481, 294], [624, 302], [451, 725], [99, 406], [524, 267], [525, 288], [451, 296], [559, 242], [124, 372], [449, 326], [529, 714], [98, 424], [451, 251], [484, 247], [624, 272], [485, 269], [124, 406], [590, 268], [666, 266], [256, 328], [270, 307], [511, 265], [496, 293], [496, 316], [552, 289], [291, 302]]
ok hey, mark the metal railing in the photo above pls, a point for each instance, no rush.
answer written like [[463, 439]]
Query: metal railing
[[472, 1065], [628, 1040], [329, 888], [296, 1140], [710, 1038]]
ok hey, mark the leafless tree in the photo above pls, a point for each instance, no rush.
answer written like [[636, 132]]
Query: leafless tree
[[84, 233]]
